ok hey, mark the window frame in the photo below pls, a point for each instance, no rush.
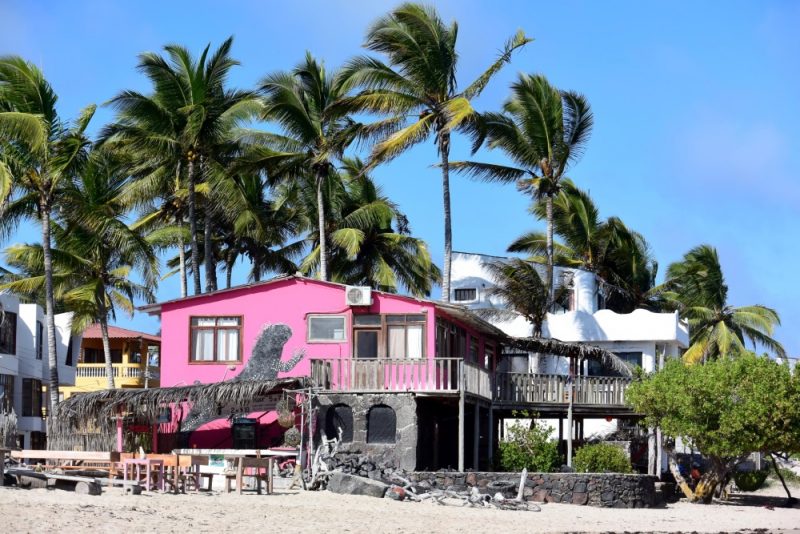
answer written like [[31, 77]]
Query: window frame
[[383, 335], [7, 382], [12, 329], [34, 399], [311, 316], [39, 339], [214, 328], [474, 294]]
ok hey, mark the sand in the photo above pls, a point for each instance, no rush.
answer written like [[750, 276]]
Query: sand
[[43, 510]]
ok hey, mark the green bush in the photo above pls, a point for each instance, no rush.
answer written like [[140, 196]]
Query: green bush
[[750, 480], [529, 447], [601, 458]]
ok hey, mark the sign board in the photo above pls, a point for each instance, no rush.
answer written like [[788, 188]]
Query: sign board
[[266, 403]]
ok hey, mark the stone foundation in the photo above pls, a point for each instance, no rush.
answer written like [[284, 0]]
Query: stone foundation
[[593, 489], [359, 456]]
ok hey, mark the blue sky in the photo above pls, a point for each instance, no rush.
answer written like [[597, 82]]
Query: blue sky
[[696, 110]]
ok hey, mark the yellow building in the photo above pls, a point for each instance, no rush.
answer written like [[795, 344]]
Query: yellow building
[[136, 357]]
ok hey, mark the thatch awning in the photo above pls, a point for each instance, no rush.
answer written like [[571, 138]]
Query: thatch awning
[[99, 409], [580, 351]]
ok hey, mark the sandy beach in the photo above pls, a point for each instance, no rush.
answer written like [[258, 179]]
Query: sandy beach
[[42, 510]]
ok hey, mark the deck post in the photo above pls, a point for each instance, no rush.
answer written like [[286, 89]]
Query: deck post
[[651, 451], [476, 436], [490, 434], [461, 415], [659, 451], [569, 425]]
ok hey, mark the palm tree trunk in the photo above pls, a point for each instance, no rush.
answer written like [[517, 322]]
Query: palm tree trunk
[[323, 241], [193, 229], [103, 319], [208, 245], [444, 152], [50, 305], [208, 253], [182, 260], [549, 277], [181, 244], [228, 275]]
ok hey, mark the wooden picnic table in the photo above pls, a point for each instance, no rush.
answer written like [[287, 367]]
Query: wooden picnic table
[[241, 463]]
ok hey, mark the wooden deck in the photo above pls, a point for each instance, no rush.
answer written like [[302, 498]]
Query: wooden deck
[[440, 376], [549, 393]]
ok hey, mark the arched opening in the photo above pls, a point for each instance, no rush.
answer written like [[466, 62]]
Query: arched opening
[[381, 424], [339, 416]]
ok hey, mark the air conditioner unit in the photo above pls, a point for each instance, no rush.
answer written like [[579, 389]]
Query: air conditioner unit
[[358, 296]]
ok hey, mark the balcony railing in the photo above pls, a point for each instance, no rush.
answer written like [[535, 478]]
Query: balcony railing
[[121, 370], [429, 375], [529, 388]]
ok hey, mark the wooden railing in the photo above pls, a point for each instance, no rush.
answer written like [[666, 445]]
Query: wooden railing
[[552, 389], [434, 375], [121, 370]]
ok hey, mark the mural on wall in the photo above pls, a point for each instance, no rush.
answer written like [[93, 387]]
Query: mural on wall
[[264, 364]]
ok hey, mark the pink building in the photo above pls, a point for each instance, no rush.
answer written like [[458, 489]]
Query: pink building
[[403, 379]]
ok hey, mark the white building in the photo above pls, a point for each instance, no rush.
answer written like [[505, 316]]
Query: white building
[[641, 338], [24, 368]]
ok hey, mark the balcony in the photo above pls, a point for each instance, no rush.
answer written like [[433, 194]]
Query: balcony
[[432, 376], [536, 389], [121, 370]]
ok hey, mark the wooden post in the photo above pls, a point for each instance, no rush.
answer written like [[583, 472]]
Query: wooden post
[[119, 433], [154, 440], [490, 433], [569, 424], [659, 452], [476, 436], [651, 451], [461, 415], [2, 467]]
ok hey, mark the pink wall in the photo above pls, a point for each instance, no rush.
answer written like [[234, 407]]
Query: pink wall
[[286, 301]]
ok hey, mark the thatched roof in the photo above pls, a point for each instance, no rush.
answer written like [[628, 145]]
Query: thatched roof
[[579, 351], [99, 409]]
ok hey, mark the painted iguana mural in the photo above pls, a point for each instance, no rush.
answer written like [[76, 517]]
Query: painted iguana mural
[[264, 364]]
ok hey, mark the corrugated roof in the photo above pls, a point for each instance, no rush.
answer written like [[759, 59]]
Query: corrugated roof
[[115, 332]]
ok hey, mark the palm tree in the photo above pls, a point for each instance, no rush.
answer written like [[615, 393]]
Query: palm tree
[[618, 255], [187, 122], [370, 241], [39, 155], [519, 285], [543, 131], [419, 82], [94, 254], [257, 227], [696, 286], [307, 105]]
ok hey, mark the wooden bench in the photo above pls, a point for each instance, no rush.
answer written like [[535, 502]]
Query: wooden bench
[[106, 461]]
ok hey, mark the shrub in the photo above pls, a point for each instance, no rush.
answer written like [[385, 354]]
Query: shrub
[[601, 458], [749, 480], [529, 447]]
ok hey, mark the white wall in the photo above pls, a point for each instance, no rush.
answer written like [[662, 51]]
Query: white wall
[[24, 363]]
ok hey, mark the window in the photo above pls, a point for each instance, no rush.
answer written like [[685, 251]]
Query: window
[[634, 359], [473, 350], [488, 355], [381, 424], [339, 417], [326, 328], [405, 336], [6, 393], [8, 333], [31, 397], [39, 339], [94, 355], [69, 352], [469, 293], [216, 339]]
